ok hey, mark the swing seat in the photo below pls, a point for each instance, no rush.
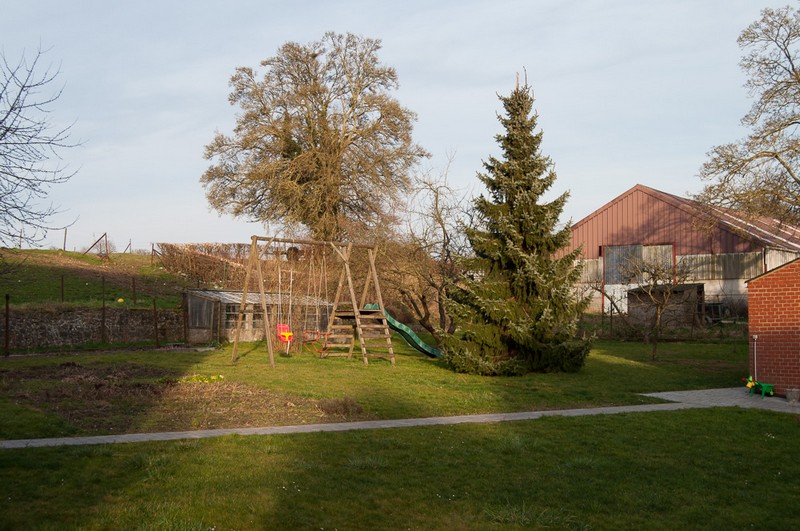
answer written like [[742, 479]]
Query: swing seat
[[315, 340], [309, 336], [284, 333]]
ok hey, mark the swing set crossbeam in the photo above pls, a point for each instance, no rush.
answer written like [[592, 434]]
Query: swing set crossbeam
[[373, 333], [320, 243]]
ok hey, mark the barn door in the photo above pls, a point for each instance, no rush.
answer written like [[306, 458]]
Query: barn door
[[617, 278]]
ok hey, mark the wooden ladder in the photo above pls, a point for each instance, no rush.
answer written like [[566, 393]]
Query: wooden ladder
[[340, 339], [375, 336], [350, 321]]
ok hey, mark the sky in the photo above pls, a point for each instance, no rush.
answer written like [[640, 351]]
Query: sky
[[627, 92]]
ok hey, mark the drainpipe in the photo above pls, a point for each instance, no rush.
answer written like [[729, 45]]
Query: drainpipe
[[755, 357], [602, 281], [674, 264]]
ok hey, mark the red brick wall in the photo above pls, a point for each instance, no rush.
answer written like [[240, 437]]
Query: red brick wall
[[774, 316]]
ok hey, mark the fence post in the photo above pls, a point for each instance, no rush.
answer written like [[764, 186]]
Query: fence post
[[219, 322], [611, 321], [155, 321], [185, 307], [103, 311], [7, 351]]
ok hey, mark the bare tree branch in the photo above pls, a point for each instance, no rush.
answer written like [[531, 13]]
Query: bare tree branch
[[425, 263], [30, 147], [759, 174]]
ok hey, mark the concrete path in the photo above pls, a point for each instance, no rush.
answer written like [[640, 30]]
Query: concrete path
[[677, 400], [733, 396]]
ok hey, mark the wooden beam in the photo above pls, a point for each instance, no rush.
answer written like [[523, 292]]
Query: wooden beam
[[314, 242], [253, 256]]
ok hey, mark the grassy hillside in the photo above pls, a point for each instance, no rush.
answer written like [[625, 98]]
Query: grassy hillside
[[38, 277]]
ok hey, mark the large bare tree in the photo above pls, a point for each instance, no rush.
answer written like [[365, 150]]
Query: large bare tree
[[319, 142], [30, 147], [758, 175]]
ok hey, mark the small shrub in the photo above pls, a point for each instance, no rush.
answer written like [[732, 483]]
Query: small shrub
[[509, 514], [201, 378], [343, 407]]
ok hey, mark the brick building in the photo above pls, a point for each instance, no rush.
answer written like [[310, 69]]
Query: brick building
[[774, 326]]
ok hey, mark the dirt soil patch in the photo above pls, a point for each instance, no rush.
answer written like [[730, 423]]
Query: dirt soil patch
[[130, 398]]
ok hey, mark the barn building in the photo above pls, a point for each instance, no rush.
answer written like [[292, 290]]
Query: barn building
[[717, 248], [774, 327]]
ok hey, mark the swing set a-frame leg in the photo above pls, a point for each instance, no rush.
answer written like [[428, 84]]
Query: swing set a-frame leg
[[254, 260]]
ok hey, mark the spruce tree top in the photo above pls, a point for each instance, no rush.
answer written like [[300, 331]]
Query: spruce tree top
[[515, 184]]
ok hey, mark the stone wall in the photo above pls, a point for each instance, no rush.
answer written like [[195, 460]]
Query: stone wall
[[46, 328]]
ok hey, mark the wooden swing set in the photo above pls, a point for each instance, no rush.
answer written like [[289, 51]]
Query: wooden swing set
[[346, 319]]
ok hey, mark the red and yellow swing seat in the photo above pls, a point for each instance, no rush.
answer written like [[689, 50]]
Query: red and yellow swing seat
[[284, 333]]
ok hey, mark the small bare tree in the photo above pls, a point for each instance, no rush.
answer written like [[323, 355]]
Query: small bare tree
[[30, 146], [657, 284], [425, 264]]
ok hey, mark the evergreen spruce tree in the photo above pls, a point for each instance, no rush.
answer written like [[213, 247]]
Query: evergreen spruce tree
[[518, 308]]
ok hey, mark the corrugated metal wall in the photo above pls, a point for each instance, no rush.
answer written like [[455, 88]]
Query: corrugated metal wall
[[723, 275], [723, 266], [592, 271], [701, 266], [777, 257]]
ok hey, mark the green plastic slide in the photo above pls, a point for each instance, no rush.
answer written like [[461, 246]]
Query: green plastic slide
[[407, 334]]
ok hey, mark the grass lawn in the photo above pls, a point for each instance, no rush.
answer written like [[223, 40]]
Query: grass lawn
[[698, 469], [56, 278], [141, 391], [711, 469]]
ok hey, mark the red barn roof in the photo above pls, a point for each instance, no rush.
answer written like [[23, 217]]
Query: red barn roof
[[644, 216]]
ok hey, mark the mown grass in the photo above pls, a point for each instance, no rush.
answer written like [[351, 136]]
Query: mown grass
[[615, 374], [697, 469], [709, 469]]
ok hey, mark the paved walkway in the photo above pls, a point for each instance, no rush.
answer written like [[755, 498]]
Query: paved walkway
[[677, 400], [733, 396]]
